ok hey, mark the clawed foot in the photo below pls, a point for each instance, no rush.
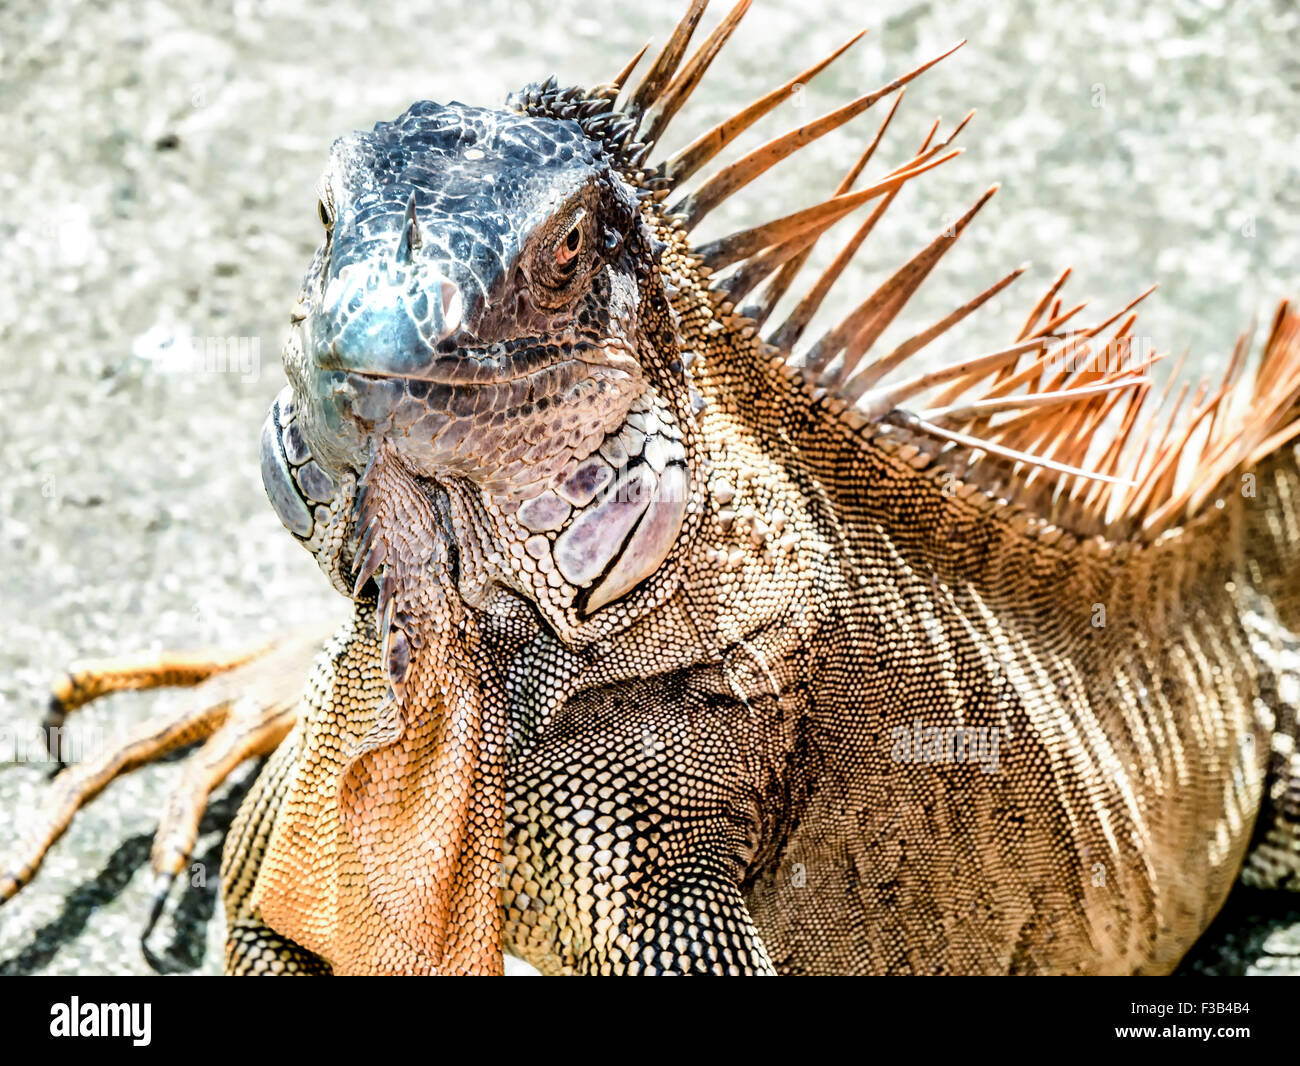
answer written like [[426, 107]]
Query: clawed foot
[[240, 706]]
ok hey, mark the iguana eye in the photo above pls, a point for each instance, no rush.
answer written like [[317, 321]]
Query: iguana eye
[[560, 257], [566, 253], [323, 212]]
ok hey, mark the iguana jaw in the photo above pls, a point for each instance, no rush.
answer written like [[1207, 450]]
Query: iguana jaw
[[603, 525], [510, 433]]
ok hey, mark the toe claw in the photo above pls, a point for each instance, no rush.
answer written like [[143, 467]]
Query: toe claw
[[162, 886], [56, 714], [9, 886]]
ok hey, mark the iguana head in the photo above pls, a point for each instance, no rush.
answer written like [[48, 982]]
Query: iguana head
[[505, 304], [479, 304], [476, 290]]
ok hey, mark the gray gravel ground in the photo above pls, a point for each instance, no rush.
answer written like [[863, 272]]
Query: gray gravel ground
[[157, 186]]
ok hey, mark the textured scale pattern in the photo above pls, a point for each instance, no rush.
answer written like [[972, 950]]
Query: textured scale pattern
[[676, 815]]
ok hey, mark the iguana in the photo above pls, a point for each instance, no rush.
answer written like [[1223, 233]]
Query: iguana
[[680, 644]]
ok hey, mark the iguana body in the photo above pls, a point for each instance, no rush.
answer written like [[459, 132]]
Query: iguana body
[[764, 673]]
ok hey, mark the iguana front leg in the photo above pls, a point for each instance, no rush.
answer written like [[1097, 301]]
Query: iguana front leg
[[629, 829], [254, 949], [691, 920]]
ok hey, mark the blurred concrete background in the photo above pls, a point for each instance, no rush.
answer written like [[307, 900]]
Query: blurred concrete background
[[157, 187]]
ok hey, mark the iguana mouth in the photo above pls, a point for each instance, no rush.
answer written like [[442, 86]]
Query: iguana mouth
[[389, 404], [496, 364], [507, 416], [505, 434]]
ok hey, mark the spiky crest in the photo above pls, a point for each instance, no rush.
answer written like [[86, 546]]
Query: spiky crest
[[1066, 423]]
